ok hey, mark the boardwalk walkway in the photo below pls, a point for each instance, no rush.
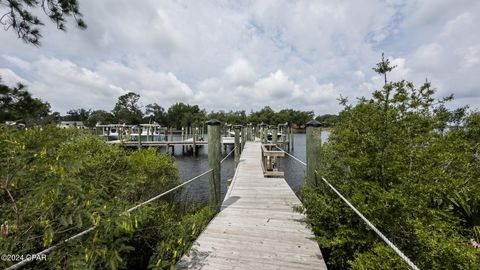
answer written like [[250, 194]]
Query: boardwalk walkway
[[257, 227]]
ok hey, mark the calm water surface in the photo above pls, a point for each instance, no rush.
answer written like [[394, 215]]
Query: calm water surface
[[191, 166]]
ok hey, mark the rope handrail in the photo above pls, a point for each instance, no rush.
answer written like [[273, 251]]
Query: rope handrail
[[377, 231], [294, 157], [48, 250], [228, 155]]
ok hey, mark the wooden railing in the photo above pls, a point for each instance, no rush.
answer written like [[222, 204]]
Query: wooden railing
[[271, 155]]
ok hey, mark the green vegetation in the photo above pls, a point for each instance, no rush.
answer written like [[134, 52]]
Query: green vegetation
[[21, 18], [58, 182], [411, 167], [127, 110], [183, 115], [17, 104], [327, 120]]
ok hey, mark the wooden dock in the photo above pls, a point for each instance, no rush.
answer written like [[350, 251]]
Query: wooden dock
[[257, 227], [225, 141]]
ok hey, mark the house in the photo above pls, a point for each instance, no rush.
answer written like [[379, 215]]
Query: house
[[71, 124]]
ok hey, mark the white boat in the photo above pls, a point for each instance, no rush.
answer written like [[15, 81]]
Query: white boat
[[269, 136], [110, 132], [148, 132]]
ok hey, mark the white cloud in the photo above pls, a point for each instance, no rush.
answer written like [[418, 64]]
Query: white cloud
[[67, 86], [17, 62], [240, 72], [244, 55], [10, 78]]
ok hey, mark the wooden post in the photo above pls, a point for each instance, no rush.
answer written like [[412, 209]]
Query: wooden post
[[237, 144], [263, 133], [260, 132], [139, 131], [252, 133], [291, 138], [314, 144], [214, 154], [286, 138], [249, 132], [194, 141], [279, 139], [274, 135], [183, 139], [243, 138]]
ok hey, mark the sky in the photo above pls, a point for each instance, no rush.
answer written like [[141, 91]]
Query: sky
[[244, 55]]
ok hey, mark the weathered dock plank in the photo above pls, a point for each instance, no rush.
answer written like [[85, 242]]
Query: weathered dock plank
[[257, 227]]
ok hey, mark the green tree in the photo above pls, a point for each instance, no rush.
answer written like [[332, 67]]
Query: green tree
[[418, 184], [127, 110], [235, 117], [184, 115], [219, 115], [17, 104], [19, 16], [327, 120], [269, 116], [77, 115], [299, 118], [55, 183], [265, 115], [99, 117], [156, 113]]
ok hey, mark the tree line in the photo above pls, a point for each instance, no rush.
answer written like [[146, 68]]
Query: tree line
[[17, 104], [127, 110]]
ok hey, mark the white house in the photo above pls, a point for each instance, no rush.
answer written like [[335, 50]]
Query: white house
[[71, 124]]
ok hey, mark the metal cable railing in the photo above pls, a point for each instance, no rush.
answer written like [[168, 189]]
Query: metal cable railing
[[377, 231], [50, 249], [228, 155]]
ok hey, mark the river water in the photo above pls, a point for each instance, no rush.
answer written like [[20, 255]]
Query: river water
[[191, 166]]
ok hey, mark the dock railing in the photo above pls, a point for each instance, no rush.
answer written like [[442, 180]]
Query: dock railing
[[271, 155]]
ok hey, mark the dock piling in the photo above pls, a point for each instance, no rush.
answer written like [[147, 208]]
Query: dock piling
[[314, 143], [274, 135], [183, 139], [264, 133], [237, 146], [214, 154], [243, 139], [194, 147], [291, 138]]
